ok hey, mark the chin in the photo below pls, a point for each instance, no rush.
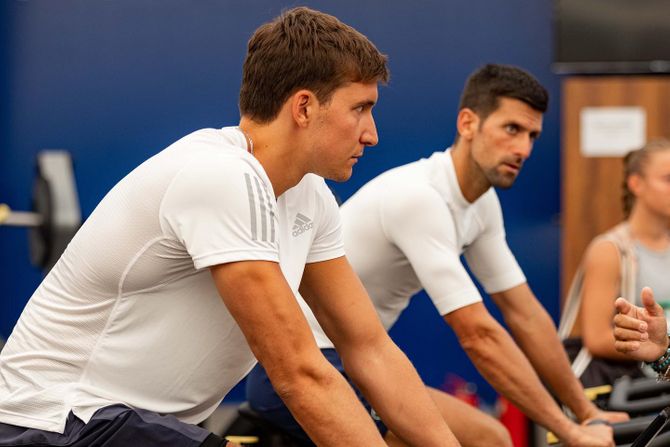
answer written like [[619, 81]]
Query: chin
[[339, 176], [504, 182]]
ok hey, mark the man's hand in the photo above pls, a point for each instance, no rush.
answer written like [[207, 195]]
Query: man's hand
[[640, 332], [599, 435], [611, 417]]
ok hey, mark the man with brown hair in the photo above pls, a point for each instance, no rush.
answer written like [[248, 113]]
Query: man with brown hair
[[126, 342]]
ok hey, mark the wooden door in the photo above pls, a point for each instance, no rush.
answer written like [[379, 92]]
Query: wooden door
[[592, 187]]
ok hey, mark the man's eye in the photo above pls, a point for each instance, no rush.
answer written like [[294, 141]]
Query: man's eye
[[512, 128]]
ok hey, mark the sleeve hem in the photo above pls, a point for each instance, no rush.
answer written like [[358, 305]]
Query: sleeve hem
[[212, 259], [446, 305], [325, 256], [502, 282]]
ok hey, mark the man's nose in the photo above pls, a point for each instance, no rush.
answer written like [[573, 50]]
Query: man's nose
[[369, 136], [524, 147]]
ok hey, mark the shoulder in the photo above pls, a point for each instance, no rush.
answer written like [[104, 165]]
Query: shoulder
[[417, 212], [221, 168], [217, 177], [412, 200], [602, 255], [205, 139]]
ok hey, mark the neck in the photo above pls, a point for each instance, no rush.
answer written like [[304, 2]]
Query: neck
[[250, 142], [652, 230], [273, 148], [471, 180]]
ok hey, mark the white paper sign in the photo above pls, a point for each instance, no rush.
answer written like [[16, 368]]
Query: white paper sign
[[612, 131]]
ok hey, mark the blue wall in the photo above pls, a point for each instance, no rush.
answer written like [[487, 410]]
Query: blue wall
[[115, 81]]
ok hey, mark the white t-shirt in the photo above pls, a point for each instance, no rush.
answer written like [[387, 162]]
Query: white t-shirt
[[130, 313], [405, 231]]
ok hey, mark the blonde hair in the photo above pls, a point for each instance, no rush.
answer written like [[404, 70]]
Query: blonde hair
[[634, 163]]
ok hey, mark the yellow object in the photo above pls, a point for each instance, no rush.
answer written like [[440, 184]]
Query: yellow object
[[593, 392], [551, 438], [5, 211], [242, 439]]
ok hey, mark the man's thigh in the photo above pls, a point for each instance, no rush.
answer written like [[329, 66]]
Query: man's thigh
[[471, 426]]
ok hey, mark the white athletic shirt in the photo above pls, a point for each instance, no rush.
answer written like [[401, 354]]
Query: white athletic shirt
[[130, 313], [405, 231]]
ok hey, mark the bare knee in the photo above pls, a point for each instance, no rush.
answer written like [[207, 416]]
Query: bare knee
[[495, 434], [486, 432]]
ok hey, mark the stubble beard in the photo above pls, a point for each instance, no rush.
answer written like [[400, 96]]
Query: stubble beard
[[499, 180]]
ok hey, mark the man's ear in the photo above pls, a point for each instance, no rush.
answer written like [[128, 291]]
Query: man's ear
[[467, 123], [303, 107]]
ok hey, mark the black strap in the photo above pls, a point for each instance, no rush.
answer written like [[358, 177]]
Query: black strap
[[214, 441]]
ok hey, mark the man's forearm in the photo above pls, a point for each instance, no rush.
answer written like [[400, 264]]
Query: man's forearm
[[372, 360], [328, 409], [393, 387], [280, 338], [537, 337], [504, 366]]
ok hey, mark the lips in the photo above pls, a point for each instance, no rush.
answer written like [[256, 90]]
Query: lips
[[513, 167]]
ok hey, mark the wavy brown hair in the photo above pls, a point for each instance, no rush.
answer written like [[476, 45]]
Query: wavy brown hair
[[304, 49]]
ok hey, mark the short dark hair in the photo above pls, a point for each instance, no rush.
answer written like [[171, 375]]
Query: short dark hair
[[634, 163], [304, 48], [485, 87]]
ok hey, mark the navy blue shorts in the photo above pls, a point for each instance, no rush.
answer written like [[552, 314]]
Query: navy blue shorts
[[115, 426], [264, 400]]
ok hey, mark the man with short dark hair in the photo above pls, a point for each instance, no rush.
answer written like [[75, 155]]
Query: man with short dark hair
[[405, 231], [127, 342]]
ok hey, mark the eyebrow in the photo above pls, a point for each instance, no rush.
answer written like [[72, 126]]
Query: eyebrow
[[367, 102]]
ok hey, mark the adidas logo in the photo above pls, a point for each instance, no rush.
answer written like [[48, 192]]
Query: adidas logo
[[302, 223]]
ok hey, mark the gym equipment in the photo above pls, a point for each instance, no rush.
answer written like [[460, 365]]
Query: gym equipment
[[55, 215], [249, 423], [639, 396], [637, 432], [642, 399], [649, 436]]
